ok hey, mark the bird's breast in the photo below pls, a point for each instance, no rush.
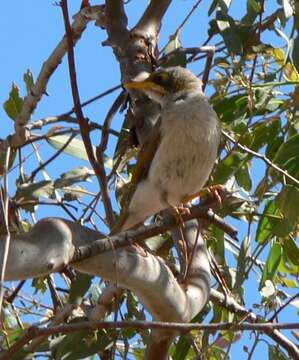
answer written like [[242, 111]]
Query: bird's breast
[[188, 149]]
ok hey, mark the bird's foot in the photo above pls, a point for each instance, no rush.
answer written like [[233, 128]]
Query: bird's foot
[[214, 191], [178, 212]]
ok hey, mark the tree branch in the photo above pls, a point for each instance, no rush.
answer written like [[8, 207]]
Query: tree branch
[[260, 156], [150, 22], [35, 331], [144, 232], [231, 304], [84, 128], [51, 243], [39, 88]]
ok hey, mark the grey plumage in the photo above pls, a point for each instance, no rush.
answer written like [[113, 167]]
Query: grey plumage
[[189, 139]]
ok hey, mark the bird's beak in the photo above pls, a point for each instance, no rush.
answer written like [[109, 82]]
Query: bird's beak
[[145, 85]]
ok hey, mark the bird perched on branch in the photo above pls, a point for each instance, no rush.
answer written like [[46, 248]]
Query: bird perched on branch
[[178, 156]]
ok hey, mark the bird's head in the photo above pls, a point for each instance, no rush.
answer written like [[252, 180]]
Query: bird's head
[[166, 84]]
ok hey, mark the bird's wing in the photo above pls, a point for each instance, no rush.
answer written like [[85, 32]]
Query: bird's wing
[[144, 160]]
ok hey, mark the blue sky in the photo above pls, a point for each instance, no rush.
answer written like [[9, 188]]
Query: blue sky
[[31, 31]]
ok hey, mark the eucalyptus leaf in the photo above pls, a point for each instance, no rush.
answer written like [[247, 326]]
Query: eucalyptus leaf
[[14, 104], [74, 176], [79, 287], [272, 264], [29, 80], [76, 148], [36, 190]]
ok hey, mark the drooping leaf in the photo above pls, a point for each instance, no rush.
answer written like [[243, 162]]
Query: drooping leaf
[[269, 219], [287, 156], [275, 353], [272, 263], [226, 26], [178, 57], [3, 154], [228, 167], [230, 108], [291, 250], [241, 266], [295, 52], [287, 200], [74, 176], [243, 177], [14, 104], [76, 148], [79, 287], [80, 345], [36, 190]]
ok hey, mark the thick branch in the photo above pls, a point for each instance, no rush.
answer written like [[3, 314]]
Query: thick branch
[[51, 243], [150, 21], [144, 232]]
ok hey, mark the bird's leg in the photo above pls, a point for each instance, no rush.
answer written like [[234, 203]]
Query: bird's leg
[[181, 243], [214, 190]]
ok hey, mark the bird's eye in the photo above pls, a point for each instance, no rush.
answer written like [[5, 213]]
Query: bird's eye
[[160, 78]]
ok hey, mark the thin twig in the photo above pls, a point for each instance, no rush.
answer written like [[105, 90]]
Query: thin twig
[[107, 123], [5, 203], [34, 331], [99, 170], [52, 158], [283, 306], [260, 156], [87, 102]]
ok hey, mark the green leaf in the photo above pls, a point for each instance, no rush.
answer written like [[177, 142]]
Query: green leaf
[[14, 104], [230, 108], [72, 193], [36, 190], [74, 176], [241, 266], [3, 154], [80, 345], [275, 353], [295, 52], [228, 167], [178, 57], [272, 264], [254, 5], [227, 28], [291, 250], [79, 288], [39, 284], [29, 81], [264, 133], [76, 148], [181, 349], [287, 200], [287, 156], [243, 177], [269, 219]]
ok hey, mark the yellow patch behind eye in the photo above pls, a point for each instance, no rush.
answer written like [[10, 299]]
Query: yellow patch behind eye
[[159, 77]]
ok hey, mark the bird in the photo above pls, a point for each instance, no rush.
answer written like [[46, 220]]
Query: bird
[[176, 160]]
